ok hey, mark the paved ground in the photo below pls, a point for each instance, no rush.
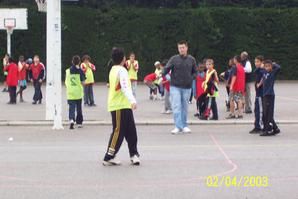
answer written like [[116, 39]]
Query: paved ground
[[43, 164], [148, 111]]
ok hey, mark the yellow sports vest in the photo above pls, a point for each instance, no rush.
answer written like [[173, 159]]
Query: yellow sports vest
[[157, 72], [74, 87], [117, 100], [89, 74], [132, 73], [208, 76]]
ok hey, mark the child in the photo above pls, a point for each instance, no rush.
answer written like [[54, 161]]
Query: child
[[166, 84], [37, 75], [157, 82], [12, 80], [5, 63], [132, 66], [149, 81], [237, 89], [259, 73], [267, 81], [226, 77], [200, 94], [210, 87], [88, 69], [74, 80], [121, 102], [22, 68]]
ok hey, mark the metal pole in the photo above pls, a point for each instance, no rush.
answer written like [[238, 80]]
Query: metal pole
[[54, 87], [8, 43]]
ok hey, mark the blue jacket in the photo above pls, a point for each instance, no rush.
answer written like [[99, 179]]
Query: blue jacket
[[269, 80]]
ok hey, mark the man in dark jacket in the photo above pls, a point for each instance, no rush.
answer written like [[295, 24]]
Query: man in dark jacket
[[183, 71]]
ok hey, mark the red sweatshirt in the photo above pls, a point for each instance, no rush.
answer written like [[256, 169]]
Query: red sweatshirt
[[12, 77]]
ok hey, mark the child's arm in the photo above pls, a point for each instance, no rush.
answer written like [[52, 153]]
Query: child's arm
[[233, 80], [260, 83], [216, 77], [136, 66], [126, 90], [276, 68], [92, 66]]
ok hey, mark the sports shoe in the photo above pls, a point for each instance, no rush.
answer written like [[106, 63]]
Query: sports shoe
[[266, 133], [80, 126], [135, 160], [276, 131], [176, 131], [169, 112], [248, 112], [231, 116], [255, 131], [111, 162], [71, 126], [186, 130]]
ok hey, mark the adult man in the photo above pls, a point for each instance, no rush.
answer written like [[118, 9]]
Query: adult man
[[183, 71], [248, 76]]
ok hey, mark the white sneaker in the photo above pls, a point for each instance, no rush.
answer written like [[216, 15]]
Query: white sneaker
[[111, 162], [186, 130], [80, 126], [168, 112], [163, 111], [135, 160], [176, 131]]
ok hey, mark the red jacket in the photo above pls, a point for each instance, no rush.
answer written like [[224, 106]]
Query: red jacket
[[151, 77], [199, 85], [37, 72], [239, 85], [12, 77]]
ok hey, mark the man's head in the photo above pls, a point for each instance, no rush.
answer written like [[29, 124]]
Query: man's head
[[259, 61], [237, 59], [36, 59], [244, 55], [268, 65], [182, 47], [132, 56], [76, 60], [118, 56], [210, 64]]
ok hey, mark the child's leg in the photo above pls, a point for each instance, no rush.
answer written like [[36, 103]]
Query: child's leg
[[130, 132], [71, 110], [117, 136], [79, 119], [214, 108], [271, 113], [91, 96], [258, 113], [86, 94], [266, 106], [167, 101]]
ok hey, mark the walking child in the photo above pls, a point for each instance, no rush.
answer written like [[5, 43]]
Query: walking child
[[88, 68], [12, 80], [5, 62], [226, 77], [132, 66], [121, 104], [37, 75], [74, 80], [200, 94], [22, 68]]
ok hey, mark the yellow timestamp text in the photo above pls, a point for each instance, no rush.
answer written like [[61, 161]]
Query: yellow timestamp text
[[237, 181]]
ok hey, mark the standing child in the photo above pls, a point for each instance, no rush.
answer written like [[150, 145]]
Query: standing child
[[12, 80], [121, 102], [132, 66], [166, 84], [74, 80], [210, 87], [88, 69], [237, 89], [149, 81], [22, 68], [259, 73], [200, 94], [226, 77], [5, 63], [268, 80], [37, 75]]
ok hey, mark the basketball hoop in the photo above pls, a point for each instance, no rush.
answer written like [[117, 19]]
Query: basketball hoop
[[42, 5], [9, 24]]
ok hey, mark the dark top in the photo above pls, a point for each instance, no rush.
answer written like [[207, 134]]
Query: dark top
[[259, 73], [75, 70], [269, 79], [183, 71]]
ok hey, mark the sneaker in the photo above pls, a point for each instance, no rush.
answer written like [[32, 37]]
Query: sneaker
[[239, 117], [71, 126], [213, 118], [169, 112], [40, 101], [111, 162], [135, 160], [80, 126], [231, 116], [189, 102], [266, 133], [151, 97], [176, 131], [255, 131], [5, 90], [163, 112], [35, 102], [276, 131], [197, 115], [248, 112], [186, 130]]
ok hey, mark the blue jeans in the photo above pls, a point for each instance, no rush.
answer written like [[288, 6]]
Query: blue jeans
[[179, 100], [75, 105]]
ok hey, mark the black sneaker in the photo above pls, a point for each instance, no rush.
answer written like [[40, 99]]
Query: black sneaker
[[40, 101], [71, 127], [35, 102], [276, 131], [266, 133], [196, 115], [248, 112], [255, 131]]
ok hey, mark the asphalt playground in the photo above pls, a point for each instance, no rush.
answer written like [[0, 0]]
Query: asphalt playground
[[37, 162]]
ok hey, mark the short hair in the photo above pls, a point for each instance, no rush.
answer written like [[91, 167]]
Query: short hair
[[117, 55], [210, 60], [260, 57], [182, 42], [132, 53], [237, 58], [86, 57], [21, 58], [76, 60], [36, 56], [10, 60], [268, 61]]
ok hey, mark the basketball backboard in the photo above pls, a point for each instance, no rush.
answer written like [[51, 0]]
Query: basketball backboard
[[16, 18]]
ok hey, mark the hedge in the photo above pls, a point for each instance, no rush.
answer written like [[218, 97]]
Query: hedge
[[152, 34]]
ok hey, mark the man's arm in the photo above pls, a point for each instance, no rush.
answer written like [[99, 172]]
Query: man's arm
[[168, 67], [126, 90]]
